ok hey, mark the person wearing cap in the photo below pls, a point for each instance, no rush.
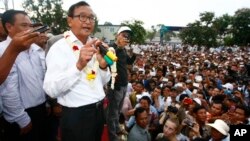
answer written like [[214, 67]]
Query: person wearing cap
[[76, 74], [219, 131], [116, 95]]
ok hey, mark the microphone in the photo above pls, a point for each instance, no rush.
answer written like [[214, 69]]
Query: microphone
[[108, 55]]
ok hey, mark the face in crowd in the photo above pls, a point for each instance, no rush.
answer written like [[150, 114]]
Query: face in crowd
[[171, 127], [142, 119]]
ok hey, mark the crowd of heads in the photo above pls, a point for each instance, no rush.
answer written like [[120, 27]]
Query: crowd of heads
[[197, 87]]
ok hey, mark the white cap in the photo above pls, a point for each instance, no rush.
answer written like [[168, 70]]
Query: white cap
[[228, 86], [197, 100], [198, 78], [124, 28]]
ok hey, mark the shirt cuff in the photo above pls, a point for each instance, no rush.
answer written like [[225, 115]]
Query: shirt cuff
[[23, 120]]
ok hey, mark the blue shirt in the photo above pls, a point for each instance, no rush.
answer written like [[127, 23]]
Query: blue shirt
[[153, 114], [138, 134], [23, 87]]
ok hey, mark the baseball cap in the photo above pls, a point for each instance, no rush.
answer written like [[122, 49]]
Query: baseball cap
[[124, 29], [228, 86], [197, 100]]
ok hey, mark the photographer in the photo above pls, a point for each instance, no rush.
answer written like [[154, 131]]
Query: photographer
[[116, 96]]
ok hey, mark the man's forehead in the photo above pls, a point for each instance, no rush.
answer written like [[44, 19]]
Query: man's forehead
[[85, 10]]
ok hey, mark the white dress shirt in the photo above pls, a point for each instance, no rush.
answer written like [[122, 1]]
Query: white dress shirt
[[65, 82]]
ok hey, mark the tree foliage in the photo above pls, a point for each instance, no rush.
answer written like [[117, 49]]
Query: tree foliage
[[139, 33], [196, 34], [222, 26], [151, 34], [241, 27], [224, 30], [48, 12]]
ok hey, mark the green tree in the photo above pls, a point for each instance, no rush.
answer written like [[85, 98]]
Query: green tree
[[208, 34], [151, 34], [200, 32], [48, 12], [168, 35], [139, 33], [241, 27], [192, 34], [207, 18], [222, 26], [108, 23]]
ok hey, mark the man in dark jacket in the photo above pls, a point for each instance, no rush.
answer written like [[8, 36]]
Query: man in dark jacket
[[116, 95]]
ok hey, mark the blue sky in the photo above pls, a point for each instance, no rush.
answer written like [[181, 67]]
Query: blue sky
[[153, 12]]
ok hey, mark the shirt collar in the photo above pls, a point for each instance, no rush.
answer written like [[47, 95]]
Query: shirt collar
[[142, 130], [75, 40]]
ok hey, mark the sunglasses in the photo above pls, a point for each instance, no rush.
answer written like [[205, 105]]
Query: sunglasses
[[126, 35]]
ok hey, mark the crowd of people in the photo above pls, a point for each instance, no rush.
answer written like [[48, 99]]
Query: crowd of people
[[198, 92], [65, 88]]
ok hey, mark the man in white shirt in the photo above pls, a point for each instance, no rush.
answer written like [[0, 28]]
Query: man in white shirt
[[22, 93], [76, 74]]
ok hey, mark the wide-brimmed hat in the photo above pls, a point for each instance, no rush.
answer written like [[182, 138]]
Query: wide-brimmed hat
[[221, 126]]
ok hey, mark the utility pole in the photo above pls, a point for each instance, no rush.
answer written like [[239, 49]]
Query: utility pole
[[5, 2], [13, 4]]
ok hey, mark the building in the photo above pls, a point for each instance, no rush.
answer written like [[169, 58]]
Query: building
[[107, 32]]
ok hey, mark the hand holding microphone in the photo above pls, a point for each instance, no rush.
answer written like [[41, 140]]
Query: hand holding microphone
[[107, 54]]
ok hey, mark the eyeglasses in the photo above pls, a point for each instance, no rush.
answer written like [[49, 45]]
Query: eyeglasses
[[126, 35], [84, 18]]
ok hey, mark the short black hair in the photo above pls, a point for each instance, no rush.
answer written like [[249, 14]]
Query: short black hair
[[138, 111], [74, 6], [197, 108], [146, 98], [182, 96], [223, 106], [245, 108], [9, 17]]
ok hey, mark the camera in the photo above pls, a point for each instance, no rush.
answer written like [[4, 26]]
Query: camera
[[42, 29], [189, 122]]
